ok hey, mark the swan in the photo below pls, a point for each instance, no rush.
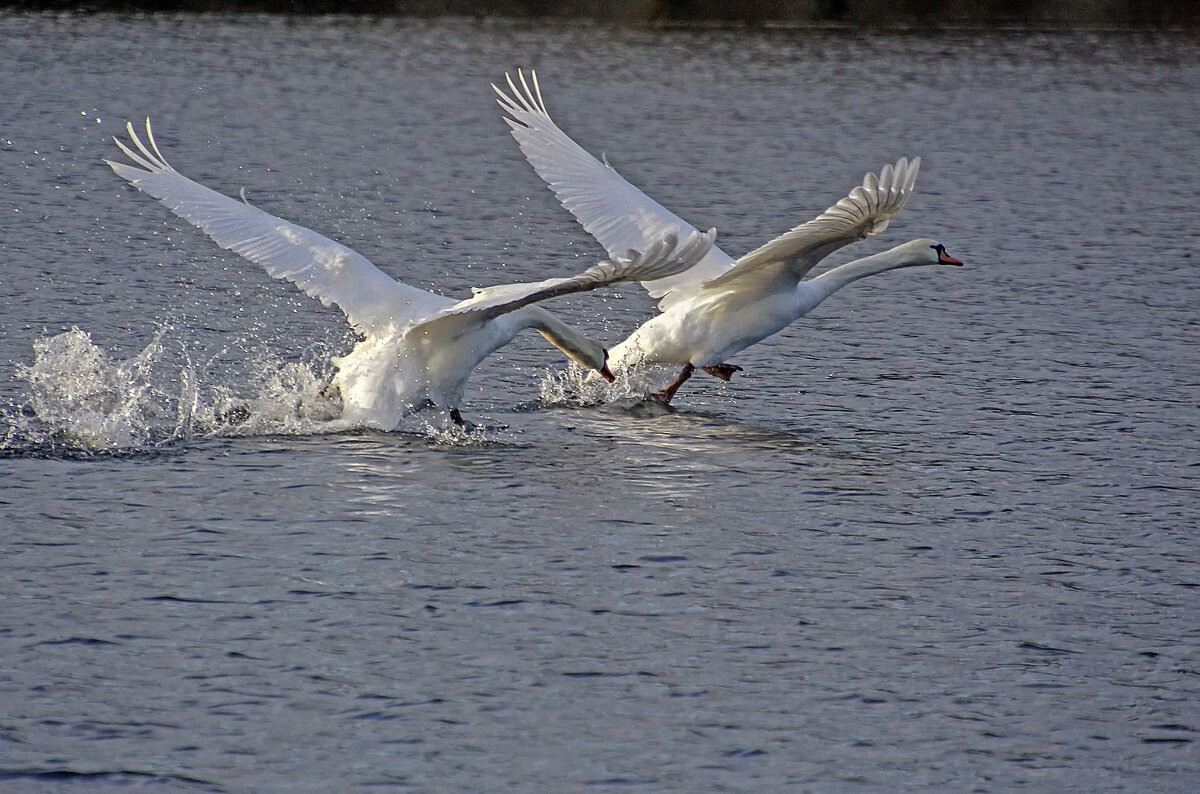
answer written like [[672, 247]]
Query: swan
[[721, 305], [418, 348]]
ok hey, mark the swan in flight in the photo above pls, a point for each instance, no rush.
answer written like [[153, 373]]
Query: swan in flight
[[721, 305], [418, 348]]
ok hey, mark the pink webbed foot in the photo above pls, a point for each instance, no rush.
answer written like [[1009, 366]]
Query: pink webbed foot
[[722, 371], [666, 394]]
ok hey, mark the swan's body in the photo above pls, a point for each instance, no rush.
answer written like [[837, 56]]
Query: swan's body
[[418, 348], [722, 305], [703, 331]]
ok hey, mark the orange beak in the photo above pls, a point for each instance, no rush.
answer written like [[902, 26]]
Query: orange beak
[[606, 373]]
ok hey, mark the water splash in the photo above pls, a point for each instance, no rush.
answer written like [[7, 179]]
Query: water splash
[[79, 396], [578, 388], [82, 400]]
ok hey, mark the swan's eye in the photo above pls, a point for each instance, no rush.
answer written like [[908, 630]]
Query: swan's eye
[[941, 249]]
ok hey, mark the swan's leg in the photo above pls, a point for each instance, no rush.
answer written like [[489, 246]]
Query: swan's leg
[[666, 394], [466, 424], [722, 371]]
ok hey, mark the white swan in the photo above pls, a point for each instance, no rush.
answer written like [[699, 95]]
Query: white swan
[[720, 306], [419, 348]]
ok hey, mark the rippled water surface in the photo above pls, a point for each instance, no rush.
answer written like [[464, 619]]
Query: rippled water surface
[[940, 535]]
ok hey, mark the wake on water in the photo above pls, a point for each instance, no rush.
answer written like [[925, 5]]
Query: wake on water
[[82, 401]]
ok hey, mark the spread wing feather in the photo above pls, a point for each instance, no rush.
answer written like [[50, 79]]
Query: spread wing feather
[[864, 212], [373, 302], [620, 216], [661, 259]]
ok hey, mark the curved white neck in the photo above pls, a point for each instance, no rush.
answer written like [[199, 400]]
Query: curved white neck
[[833, 280], [577, 346]]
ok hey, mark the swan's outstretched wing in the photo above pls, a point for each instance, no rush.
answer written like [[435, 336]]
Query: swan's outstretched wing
[[660, 260], [620, 216], [329, 271], [864, 212]]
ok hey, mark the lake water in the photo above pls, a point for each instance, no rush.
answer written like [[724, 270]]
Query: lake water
[[940, 535]]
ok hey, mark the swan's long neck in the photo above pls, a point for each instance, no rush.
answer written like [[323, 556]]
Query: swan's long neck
[[579, 348], [833, 280]]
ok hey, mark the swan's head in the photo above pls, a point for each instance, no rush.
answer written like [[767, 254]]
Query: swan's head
[[604, 371], [924, 251], [584, 351], [592, 356]]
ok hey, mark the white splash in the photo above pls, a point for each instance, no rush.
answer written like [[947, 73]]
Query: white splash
[[577, 388], [84, 399]]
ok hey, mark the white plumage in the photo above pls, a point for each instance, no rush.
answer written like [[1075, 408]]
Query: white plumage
[[419, 348], [720, 306]]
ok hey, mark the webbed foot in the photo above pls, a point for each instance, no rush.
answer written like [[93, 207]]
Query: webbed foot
[[465, 424], [666, 394], [722, 371]]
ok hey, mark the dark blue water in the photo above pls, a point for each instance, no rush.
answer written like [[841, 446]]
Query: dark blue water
[[940, 535]]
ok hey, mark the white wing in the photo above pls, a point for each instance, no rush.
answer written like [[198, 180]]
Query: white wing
[[861, 214], [662, 259], [620, 216], [372, 301]]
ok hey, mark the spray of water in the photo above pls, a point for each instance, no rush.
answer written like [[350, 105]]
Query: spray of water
[[79, 396], [579, 388], [83, 400]]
